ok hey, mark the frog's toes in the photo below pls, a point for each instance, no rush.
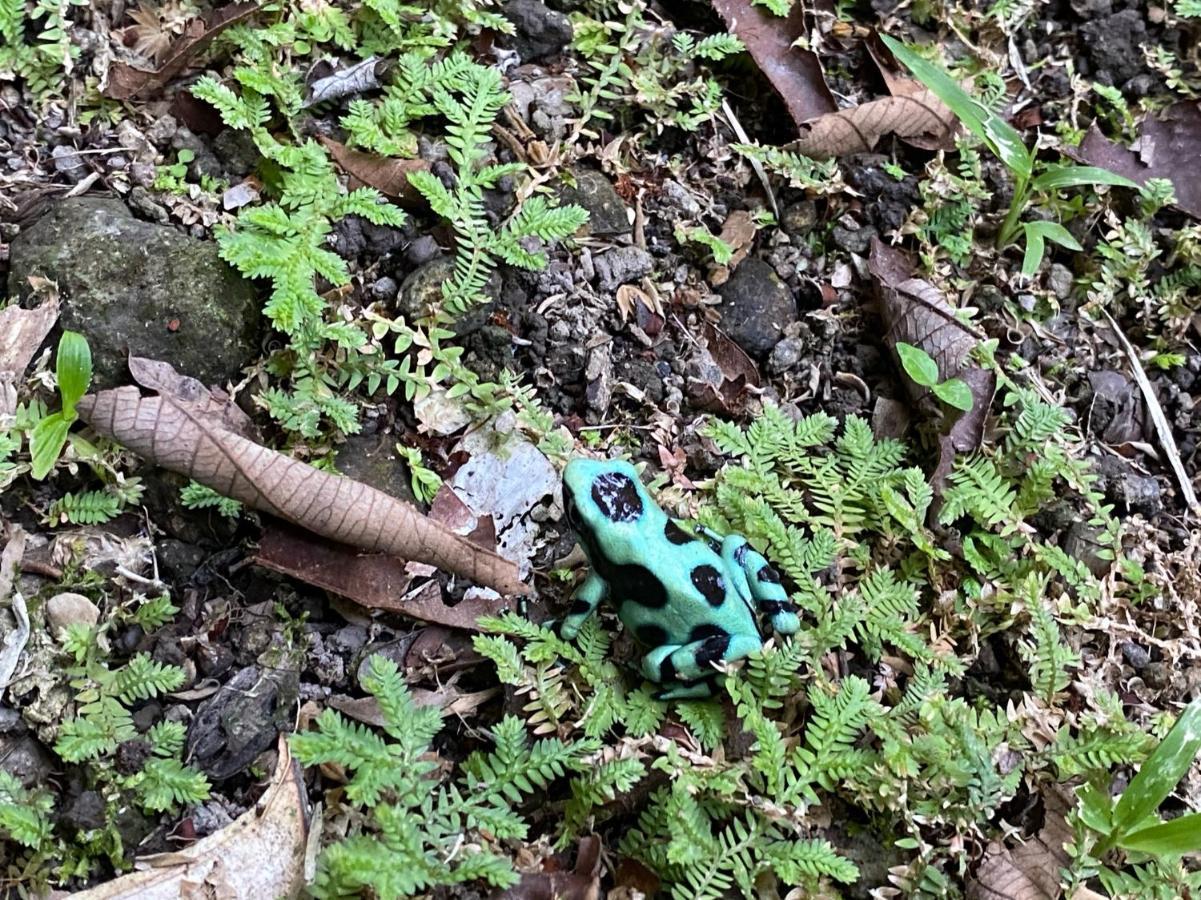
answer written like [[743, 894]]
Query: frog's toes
[[784, 618], [680, 690]]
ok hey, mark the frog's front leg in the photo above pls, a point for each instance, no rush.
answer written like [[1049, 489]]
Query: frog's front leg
[[762, 582], [691, 661], [587, 598]]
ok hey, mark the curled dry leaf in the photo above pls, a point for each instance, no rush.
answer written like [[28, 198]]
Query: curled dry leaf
[[796, 74], [125, 82], [1029, 871], [1168, 146], [185, 434], [388, 176], [917, 116], [21, 334], [915, 312], [325, 83], [260, 855], [900, 84], [12, 642]]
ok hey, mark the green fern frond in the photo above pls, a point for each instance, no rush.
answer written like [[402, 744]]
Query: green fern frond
[[168, 784], [143, 678]]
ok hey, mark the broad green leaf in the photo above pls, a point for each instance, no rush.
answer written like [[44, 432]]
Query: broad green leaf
[[46, 443], [74, 367], [918, 364], [954, 392], [1001, 137], [1036, 232], [1076, 176], [1095, 808], [1161, 772], [1174, 838]]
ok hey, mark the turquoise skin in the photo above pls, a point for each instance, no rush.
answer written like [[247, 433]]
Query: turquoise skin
[[689, 600]]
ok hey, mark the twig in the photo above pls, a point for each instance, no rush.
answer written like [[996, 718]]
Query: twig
[[1162, 428], [757, 166]]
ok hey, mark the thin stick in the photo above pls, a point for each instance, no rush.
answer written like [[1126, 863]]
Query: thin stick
[[1162, 428]]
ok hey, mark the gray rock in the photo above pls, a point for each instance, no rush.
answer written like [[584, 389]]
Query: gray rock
[[1136, 655], [204, 162], [786, 354], [852, 240], [1114, 45], [1141, 494], [607, 214], [384, 288], [756, 307], [422, 250], [69, 163], [540, 31], [71, 609], [1059, 280], [421, 291], [682, 198], [349, 639], [1081, 543], [25, 759], [372, 459], [622, 265], [130, 284], [799, 218], [84, 813], [237, 152]]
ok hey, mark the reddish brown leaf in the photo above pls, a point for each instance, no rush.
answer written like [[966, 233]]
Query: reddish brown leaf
[[915, 312], [1168, 146], [726, 381], [919, 117], [388, 176], [583, 883], [183, 434], [127, 83], [796, 74], [1030, 871], [900, 84]]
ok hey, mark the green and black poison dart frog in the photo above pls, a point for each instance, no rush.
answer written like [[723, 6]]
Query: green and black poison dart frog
[[689, 600]]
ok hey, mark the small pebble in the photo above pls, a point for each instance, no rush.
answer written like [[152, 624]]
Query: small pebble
[[71, 609], [1137, 656]]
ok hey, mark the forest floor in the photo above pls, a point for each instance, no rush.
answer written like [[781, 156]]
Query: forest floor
[[921, 320]]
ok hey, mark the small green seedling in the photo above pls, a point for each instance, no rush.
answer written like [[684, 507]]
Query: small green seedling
[[1131, 822], [74, 368], [1029, 174], [921, 367], [722, 252]]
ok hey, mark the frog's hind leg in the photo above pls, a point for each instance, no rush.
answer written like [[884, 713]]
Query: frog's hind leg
[[687, 690], [757, 578], [692, 661]]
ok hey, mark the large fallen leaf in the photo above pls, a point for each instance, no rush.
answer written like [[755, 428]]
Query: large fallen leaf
[[725, 375], [21, 333], [1029, 871], [919, 116], [1168, 146], [915, 312], [261, 854], [371, 580], [900, 84], [796, 74], [126, 82], [388, 176], [184, 433]]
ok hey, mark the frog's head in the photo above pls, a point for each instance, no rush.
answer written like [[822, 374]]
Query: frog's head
[[601, 496]]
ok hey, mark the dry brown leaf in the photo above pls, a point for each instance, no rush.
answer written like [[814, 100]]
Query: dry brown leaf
[[919, 115], [261, 854], [796, 74], [388, 176], [915, 312], [1168, 146], [184, 435], [1029, 871], [729, 377], [21, 334], [900, 84], [125, 82], [582, 883]]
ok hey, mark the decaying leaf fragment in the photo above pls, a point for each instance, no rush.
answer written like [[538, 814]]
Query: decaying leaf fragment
[[260, 855], [919, 115], [21, 333], [915, 312], [582, 883], [184, 433], [1029, 871], [388, 176], [796, 74], [127, 83]]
